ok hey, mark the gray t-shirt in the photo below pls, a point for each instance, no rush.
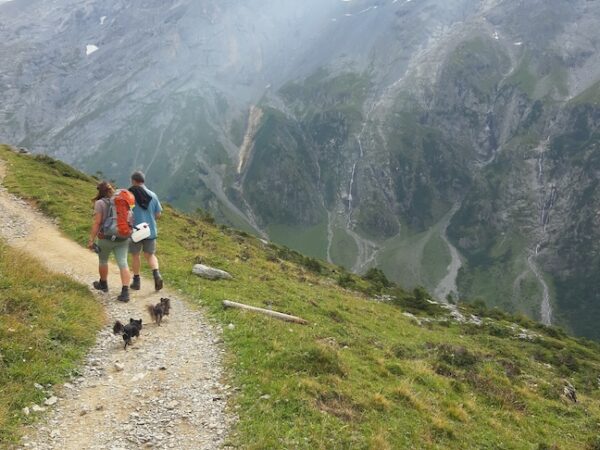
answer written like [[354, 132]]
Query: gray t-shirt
[[101, 206]]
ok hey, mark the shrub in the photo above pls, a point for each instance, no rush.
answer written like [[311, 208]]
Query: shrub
[[457, 356], [498, 314], [345, 280], [400, 350], [480, 307], [289, 254], [271, 256], [511, 368], [417, 301], [524, 321], [205, 216], [542, 355], [497, 330], [444, 370], [566, 359], [312, 264], [377, 279], [555, 332]]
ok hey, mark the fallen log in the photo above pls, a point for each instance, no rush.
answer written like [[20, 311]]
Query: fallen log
[[268, 312]]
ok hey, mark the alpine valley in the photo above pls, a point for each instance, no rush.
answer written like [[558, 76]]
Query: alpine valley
[[452, 143]]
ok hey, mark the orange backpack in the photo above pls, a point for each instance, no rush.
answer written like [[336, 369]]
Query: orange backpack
[[119, 220]]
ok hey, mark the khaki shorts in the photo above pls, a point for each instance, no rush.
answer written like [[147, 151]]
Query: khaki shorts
[[148, 245]]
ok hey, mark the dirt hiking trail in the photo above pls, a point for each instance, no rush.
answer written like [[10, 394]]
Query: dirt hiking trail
[[165, 391]]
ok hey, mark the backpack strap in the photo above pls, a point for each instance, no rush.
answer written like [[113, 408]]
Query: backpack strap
[[106, 215]]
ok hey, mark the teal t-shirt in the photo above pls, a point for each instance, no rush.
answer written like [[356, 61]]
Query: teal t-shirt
[[141, 215]]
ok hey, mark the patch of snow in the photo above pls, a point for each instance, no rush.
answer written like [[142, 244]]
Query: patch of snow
[[518, 44], [102, 20], [367, 9], [90, 48]]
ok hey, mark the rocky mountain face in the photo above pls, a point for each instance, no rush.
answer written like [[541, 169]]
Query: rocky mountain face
[[450, 142]]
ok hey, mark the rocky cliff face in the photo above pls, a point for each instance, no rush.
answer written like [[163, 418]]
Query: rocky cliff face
[[422, 137]]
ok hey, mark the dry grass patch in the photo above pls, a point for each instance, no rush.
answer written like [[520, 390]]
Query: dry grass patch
[[404, 393]]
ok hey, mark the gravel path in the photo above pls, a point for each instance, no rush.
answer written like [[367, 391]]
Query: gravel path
[[165, 391]]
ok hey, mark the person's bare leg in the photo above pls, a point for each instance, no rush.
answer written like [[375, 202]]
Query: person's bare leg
[[103, 271], [136, 263], [153, 263], [152, 260], [125, 276]]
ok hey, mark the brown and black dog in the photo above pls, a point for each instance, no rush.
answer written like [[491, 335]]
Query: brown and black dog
[[158, 311], [128, 331]]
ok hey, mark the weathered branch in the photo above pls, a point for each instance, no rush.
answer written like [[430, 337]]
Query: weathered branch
[[268, 312]]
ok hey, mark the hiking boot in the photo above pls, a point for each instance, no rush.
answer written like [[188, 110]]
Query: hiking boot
[[158, 281], [158, 284], [135, 284], [101, 285], [124, 295]]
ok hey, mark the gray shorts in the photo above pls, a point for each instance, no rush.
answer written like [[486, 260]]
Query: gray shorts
[[148, 245]]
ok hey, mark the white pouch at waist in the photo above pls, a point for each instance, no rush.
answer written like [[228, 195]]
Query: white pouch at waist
[[140, 232]]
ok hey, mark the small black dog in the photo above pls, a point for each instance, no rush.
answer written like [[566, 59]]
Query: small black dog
[[158, 311], [128, 331]]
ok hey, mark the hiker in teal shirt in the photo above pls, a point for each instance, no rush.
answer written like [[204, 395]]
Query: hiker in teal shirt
[[147, 209]]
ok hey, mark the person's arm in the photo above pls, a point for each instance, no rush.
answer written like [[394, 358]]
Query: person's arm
[[97, 221], [157, 209]]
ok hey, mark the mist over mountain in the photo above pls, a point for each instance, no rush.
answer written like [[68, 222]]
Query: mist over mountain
[[452, 143]]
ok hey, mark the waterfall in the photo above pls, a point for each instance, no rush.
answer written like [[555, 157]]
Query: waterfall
[[546, 204], [350, 195]]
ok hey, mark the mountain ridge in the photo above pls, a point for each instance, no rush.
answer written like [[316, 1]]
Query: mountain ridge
[[378, 118]]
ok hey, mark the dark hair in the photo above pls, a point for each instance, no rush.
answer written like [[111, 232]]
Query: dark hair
[[105, 190], [138, 176]]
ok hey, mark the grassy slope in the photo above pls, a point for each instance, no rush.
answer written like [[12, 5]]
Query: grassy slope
[[47, 322], [361, 375]]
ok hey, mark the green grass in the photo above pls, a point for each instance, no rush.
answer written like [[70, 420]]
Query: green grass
[[47, 322], [361, 374], [312, 241]]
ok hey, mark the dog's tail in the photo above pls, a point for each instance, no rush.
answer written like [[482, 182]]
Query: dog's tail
[[118, 328], [151, 311]]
